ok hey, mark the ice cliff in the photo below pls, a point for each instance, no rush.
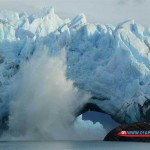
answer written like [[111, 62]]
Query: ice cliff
[[112, 63]]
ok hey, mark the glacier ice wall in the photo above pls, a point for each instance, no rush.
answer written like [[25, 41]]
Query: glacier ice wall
[[112, 63]]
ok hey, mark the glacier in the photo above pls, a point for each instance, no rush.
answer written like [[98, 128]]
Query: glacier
[[110, 62]]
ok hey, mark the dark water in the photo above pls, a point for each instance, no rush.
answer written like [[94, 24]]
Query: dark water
[[67, 145]]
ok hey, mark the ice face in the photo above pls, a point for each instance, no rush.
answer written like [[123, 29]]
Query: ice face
[[112, 63]]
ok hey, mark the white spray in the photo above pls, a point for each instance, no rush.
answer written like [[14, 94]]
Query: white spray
[[44, 102]]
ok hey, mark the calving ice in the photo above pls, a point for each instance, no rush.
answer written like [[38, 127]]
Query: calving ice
[[105, 68]]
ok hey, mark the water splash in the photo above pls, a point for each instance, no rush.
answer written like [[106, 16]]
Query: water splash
[[44, 103]]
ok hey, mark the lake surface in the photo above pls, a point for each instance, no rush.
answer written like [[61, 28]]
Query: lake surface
[[67, 145]]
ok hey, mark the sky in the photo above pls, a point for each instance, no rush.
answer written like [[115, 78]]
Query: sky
[[96, 11]]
